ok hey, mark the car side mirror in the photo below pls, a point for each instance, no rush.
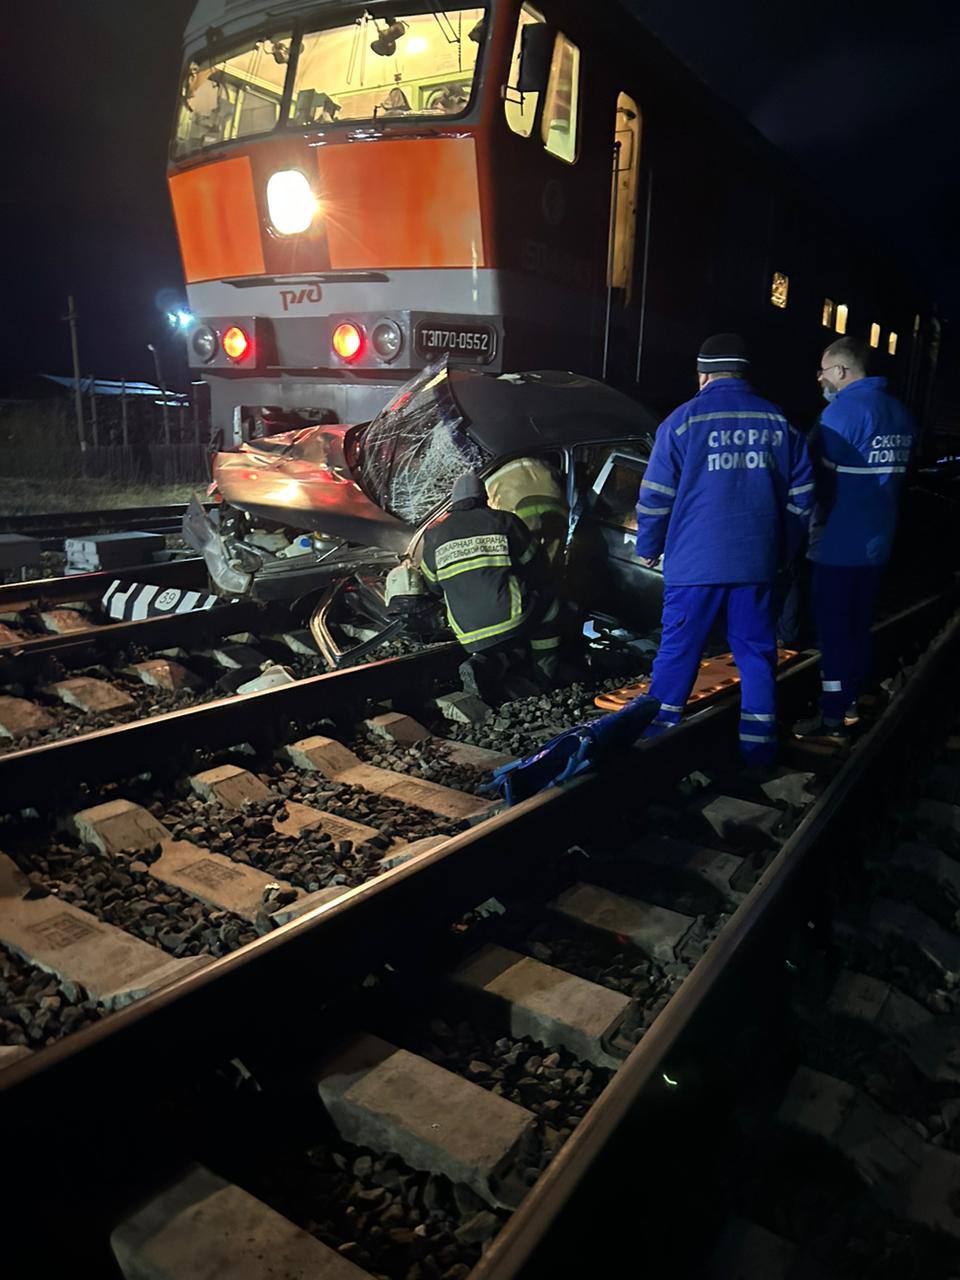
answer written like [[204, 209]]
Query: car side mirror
[[536, 54]]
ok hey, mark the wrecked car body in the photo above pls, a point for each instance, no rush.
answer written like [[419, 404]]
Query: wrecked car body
[[319, 516]]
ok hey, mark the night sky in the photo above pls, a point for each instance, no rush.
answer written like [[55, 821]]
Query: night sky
[[865, 102]]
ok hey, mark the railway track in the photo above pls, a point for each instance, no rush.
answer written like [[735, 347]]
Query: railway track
[[17, 597], [287, 818], [299, 819], [801, 1118], [97, 675], [403, 957], [36, 549], [252, 840], [55, 526], [56, 686], [65, 668]]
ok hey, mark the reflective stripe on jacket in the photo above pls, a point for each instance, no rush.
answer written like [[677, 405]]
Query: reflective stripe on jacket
[[728, 490], [487, 567]]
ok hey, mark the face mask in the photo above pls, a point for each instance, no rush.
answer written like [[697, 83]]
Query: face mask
[[829, 393]]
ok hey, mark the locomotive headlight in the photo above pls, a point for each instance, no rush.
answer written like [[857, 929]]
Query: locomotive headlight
[[387, 339], [204, 343], [290, 202]]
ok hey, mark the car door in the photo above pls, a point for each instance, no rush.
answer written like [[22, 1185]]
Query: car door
[[604, 573]]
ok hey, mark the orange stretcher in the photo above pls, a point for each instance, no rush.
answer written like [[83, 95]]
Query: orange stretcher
[[716, 676]]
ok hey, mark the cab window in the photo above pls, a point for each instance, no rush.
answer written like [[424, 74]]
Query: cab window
[[520, 108], [232, 97], [623, 203], [562, 100], [396, 67]]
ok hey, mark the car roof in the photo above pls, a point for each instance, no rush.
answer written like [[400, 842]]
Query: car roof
[[522, 411]]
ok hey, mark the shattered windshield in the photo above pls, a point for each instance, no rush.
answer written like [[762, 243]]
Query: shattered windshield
[[405, 64], [416, 447]]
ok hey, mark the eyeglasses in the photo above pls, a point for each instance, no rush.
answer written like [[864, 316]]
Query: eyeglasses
[[823, 369]]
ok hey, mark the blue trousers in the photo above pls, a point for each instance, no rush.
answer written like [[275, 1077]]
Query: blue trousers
[[843, 598], [688, 615]]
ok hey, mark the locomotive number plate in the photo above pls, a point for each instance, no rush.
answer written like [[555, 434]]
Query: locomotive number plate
[[475, 343]]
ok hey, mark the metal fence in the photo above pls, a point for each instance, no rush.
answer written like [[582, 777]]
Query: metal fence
[[154, 463], [168, 464], [39, 441]]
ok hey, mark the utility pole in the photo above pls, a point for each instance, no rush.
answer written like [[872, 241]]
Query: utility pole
[[123, 413], [163, 388], [93, 412], [71, 318]]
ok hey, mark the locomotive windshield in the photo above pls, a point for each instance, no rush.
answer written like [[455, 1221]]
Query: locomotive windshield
[[391, 67], [418, 64], [232, 97]]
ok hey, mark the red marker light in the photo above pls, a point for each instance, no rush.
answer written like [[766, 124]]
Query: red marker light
[[347, 340], [236, 343]]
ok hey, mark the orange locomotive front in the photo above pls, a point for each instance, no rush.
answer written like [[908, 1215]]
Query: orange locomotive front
[[359, 191]]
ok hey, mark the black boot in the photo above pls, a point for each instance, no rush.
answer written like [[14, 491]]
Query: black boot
[[472, 676]]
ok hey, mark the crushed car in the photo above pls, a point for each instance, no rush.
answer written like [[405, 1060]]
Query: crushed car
[[331, 517]]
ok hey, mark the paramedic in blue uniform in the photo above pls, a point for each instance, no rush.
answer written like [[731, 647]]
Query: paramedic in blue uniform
[[861, 448], [725, 499]]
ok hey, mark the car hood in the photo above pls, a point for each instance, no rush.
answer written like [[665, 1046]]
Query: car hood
[[301, 479]]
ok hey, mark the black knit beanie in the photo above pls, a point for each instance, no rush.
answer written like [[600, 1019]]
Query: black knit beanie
[[723, 353], [468, 488]]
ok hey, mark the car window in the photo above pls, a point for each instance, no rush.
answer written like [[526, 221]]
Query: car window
[[617, 499], [608, 477]]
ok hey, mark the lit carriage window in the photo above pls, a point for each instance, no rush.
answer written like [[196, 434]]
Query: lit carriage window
[[232, 97], [874, 335], [520, 108], [412, 65], [779, 288], [916, 325], [826, 318], [561, 103], [841, 317], [892, 344]]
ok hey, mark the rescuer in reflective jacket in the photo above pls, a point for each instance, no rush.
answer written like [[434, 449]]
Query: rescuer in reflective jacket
[[491, 574], [861, 448], [725, 498], [532, 490]]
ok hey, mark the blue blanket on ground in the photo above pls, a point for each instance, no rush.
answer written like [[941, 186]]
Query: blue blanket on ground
[[572, 752]]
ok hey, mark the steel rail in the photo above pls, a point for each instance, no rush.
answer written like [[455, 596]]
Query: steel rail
[[35, 775], [69, 524], [372, 923], [189, 572], [194, 627]]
